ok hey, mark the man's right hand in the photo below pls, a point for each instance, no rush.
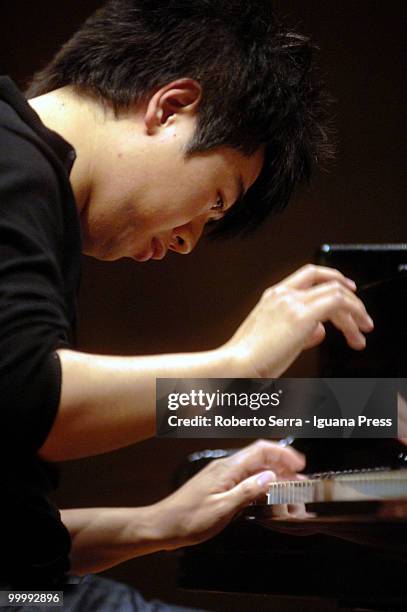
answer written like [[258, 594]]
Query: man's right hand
[[290, 317]]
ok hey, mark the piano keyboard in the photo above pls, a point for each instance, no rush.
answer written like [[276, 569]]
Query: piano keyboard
[[359, 485]]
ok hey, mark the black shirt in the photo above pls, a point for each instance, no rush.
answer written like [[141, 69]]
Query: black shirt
[[40, 251]]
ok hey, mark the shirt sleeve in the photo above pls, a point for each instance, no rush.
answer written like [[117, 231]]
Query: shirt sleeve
[[33, 317]]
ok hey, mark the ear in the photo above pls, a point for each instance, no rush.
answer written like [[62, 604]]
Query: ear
[[180, 96]]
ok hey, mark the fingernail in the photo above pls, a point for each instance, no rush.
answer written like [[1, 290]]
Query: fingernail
[[266, 478], [351, 283]]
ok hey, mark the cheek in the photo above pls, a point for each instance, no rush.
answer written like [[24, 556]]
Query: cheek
[[179, 203], [160, 207], [116, 176], [118, 187]]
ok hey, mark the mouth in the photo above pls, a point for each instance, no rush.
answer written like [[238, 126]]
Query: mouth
[[144, 256], [159, 250], [156, 250]]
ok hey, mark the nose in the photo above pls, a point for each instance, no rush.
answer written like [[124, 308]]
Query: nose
[[185, 237], [180, 245]]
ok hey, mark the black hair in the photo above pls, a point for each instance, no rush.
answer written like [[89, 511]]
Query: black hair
[[258, 81]]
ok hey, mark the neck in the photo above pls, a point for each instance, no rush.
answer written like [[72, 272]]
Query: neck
[[71, 116]]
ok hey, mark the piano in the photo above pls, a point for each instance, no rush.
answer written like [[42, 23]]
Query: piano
[[341, 535]]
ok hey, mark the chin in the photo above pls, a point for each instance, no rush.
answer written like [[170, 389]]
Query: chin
[[102, 253]]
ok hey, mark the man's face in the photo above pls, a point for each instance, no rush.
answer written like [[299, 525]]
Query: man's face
[[148, 197]]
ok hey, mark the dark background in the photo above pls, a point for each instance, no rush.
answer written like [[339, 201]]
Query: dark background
[[196, 302]]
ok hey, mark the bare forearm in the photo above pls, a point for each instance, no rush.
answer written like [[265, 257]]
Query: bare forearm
[[109, 402], [104, 537]]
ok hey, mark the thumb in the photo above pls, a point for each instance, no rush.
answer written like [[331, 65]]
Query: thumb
[[251, 488], [317, 337]]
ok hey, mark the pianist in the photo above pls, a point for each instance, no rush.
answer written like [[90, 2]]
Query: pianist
[[154, 120]]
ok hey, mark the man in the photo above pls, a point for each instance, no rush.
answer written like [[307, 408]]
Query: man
[[154, 120]]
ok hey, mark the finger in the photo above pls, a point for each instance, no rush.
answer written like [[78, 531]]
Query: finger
[[279, 511], [264, 455], [310, 275], [254, 486], [345, 317], [299, 511], [317, 337], [338, 310], [346, 324], [290, 476], [250, 489], [335, 298]]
